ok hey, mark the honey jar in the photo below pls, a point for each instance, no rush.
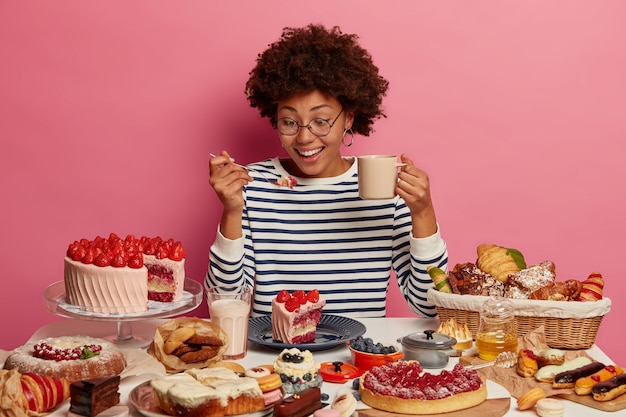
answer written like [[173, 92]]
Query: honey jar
[[497, 331]]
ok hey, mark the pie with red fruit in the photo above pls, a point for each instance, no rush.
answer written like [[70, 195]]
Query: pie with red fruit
[[404, 388]]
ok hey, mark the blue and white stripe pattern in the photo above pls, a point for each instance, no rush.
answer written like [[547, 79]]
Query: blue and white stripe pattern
[[322, 235]]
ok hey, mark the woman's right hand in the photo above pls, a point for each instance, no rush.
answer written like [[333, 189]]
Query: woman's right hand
[[227, 180]]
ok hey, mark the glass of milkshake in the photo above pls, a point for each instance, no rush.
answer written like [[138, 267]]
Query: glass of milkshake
[[229, 308]]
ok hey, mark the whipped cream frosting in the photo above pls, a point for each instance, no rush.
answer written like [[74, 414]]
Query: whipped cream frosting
[[283, 327], [106, 289]]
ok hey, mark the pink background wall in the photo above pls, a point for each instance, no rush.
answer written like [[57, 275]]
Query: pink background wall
[[108, 111]]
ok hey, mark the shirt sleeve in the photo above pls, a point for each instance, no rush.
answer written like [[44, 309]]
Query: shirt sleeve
[[412, 276], [226, 261]]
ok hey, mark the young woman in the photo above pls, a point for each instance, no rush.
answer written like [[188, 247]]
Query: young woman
[[318, 87]]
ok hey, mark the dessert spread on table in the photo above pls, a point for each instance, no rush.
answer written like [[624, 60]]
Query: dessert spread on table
[[118, 276], [295, 316]]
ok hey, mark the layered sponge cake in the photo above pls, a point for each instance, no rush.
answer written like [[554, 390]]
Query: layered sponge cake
[[118, 276], [295, 316]]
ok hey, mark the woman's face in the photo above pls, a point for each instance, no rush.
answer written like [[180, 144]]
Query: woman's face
[[314, 156]]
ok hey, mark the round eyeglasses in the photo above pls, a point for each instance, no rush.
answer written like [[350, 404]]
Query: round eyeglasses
[[319, 127]]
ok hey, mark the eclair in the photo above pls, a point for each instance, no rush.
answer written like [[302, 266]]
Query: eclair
[[609, 389], [584, 385], [567, 379], [547, 373]]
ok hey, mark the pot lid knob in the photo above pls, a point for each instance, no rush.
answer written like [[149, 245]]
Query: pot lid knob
[[429, 334]]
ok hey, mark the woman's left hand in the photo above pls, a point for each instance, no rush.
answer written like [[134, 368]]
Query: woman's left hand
[[414, 187]]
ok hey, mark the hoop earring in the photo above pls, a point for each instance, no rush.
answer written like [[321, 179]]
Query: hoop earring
[[343, 139]]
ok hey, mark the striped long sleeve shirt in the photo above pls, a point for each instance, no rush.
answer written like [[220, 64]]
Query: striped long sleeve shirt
[[322, 235]]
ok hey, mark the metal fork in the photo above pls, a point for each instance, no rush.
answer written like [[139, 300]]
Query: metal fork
[[273, 181]]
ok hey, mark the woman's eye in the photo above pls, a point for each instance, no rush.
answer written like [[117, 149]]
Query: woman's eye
[[318, 122], [287, 122]]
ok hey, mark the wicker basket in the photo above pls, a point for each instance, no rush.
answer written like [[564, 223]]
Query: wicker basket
[[567, 325]]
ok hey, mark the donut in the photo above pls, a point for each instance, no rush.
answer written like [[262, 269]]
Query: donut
[[527, 400]]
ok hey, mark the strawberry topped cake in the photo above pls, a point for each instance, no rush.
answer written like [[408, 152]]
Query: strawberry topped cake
[[295, 316], [118, 276], [404, 388]]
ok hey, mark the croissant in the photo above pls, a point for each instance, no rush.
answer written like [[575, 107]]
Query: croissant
[[558, 291], [499, 262], [30, 394], [592, 288], [440, 278]]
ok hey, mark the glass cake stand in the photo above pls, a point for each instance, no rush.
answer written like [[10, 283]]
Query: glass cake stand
[[56, 303]]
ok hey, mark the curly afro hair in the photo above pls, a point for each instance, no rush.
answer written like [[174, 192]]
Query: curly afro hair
[[314, 58]]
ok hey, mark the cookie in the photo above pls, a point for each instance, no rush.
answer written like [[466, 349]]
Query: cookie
[[201, 355], [207, 340]]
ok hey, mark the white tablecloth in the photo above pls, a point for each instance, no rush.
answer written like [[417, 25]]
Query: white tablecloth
[[385, 330]]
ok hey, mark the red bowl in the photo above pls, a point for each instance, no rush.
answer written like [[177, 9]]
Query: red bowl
[[366, 361]]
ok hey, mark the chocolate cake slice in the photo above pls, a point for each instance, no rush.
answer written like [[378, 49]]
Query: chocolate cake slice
[[93, 396]]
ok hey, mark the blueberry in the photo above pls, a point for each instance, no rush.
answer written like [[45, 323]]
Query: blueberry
[[325, 397], [355, 384]]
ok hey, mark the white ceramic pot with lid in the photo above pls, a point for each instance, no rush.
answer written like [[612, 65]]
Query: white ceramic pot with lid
[[432, 350]]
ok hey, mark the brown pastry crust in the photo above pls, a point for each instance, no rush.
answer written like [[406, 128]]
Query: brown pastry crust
[[558, 291]]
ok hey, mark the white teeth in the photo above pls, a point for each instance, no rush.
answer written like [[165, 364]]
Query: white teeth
[[310, 153]]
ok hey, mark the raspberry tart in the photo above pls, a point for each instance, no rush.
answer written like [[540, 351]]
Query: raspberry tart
[[295, 316], [119, 276], [74, 358], [402, 387]]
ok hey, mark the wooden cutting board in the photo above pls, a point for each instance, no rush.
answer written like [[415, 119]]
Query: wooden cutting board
[[615, 404], [496, 407]]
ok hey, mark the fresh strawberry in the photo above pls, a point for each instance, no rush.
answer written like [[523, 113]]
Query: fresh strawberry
[[102, 260], [161, 252], [313, 296], [119, 259], [150, 248], [90, 255], [79, 254], [135, 261], [300, 296], [177, 253], [292, 304], [283, 296]]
